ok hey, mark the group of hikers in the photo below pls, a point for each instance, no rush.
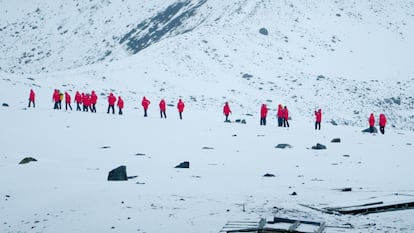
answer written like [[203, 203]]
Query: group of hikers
[[88, 102]]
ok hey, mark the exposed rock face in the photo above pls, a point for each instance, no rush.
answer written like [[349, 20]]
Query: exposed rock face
[[319, 147], [118, 173], [28, 160], [184, 164]]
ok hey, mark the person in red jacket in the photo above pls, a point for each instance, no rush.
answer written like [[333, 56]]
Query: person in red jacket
[[86, 102], [285, 117], [382, 122], [180, 107], [94, 100], [111, 103], [263, 114], [32, 98], [371, 122], [56, 99], [226, 111], [78, 100], [145, 103], [67, 101], [163, 108], [120, 104], [318, 119], [280, 115]]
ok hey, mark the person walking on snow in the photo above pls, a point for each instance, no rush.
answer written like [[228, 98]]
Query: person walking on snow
[[163, 108], [285, 117], [180, 107], [94, 100], [32, 98], [145, 103], [318, 119], [111, 103], [382, 122], [120, 104], [78, 100], [56, 99], [226, 111], [67, 101], [371, 122], [280, 115], [263, 114]]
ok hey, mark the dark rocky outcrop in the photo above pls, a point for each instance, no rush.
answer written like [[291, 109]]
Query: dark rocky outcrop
[[28, 160], [118, 174], [5, 105], [336, 140], [319, 147], [264, 31], [184, 164], [368, 130], [268, 175], [283, 146]]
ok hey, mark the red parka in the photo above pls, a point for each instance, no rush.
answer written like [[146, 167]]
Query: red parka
[[382, 120], [285, 113], [180, 105], [94, 98], [120, 102], [263, 111], [32, 95], [226, 109], [163, 107], [145, 103], [280, 111], [371, 120], [56, 96], [67, 98], [111, 99], [78, 97], [318, 115]]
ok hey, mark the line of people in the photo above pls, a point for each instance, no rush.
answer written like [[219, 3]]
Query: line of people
[[89, 101]]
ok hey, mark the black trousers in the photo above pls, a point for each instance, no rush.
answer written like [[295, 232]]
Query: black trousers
[[78, 108], [263, 121], [120, 111], [371, 129], [382, 129], [56, 105], [181, 115], [280, 121], [285, 123], [163, 114], [31, 102], [227, 117], [318, 125], [93, 108], [66, 106], [111, 107], [145, 113]]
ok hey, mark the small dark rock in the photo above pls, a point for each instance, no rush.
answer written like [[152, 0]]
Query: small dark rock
[[140, 154], [184, 164], [105, 147], [336, 140], [319, 147], [234, 135], [28, 160], [207, 148], [333, 122], [293, 194], [375, 130], [117, 174], [283, 146], [268, 175], [5, 105], [346, 190], [264, 31]]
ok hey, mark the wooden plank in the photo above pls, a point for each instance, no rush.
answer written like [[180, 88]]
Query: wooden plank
[[294, 226]]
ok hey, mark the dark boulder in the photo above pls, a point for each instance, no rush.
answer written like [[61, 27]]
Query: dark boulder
[[5, 105], [283, 146], [368, 130], [319, 147], [28, 160], [118, 173], [336, 140], [263, 31], [184, 164], [268, 175]]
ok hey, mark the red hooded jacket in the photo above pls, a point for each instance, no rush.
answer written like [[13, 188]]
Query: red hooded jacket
[[180, 105], [280, 111], [162, 105], [94, 98], [32, 95], [56, 96], [78, 97], [382, 120], [226, 109], [111, 99], [371, 120], [120, 103], [67, 98], [318, 115], [263, 111], [285, 113], [145, 103]]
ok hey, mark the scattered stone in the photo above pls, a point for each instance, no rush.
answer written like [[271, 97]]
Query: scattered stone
[[293, 194], [375, 130], [346, 190], [105, 147], [184, 164], [346, 156], [207, 148], [268, 175], [5, 105], [263, 31], [336, 140], [140, 182], [28, 160], [234, 135], [283, 146], [140, 154], [319, 147], [333, 122], [131, 177], [117, 174], [242, 121]]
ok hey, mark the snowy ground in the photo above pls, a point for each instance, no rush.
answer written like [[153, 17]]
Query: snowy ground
[[67, 189]]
